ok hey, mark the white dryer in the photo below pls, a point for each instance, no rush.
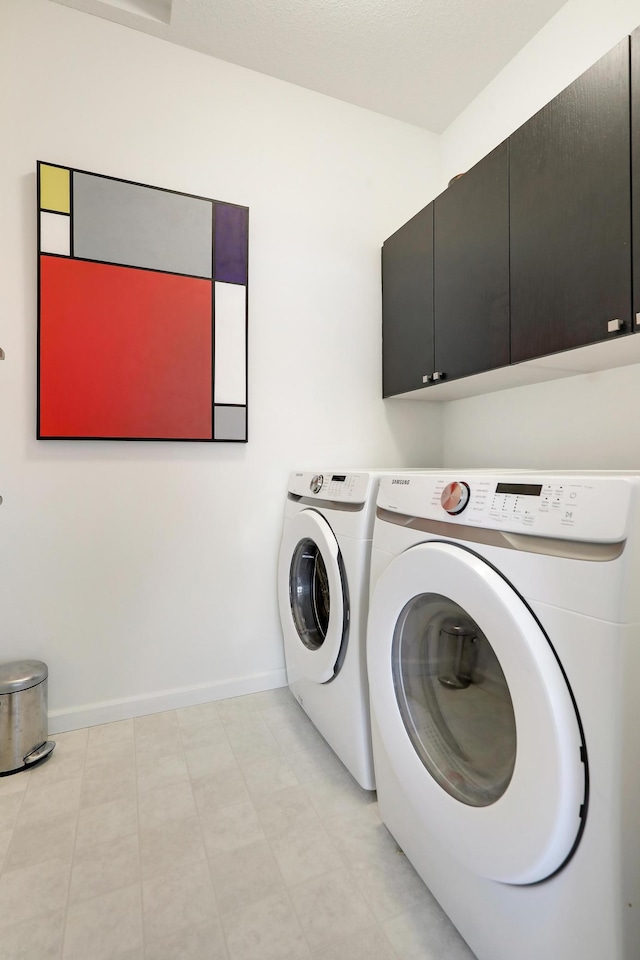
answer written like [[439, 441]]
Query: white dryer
[[504, 655], [323, 592]]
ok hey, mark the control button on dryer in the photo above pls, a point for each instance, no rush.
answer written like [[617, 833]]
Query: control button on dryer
[[455, 497], [316, 483]]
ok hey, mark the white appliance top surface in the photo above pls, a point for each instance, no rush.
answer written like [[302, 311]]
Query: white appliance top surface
[[588, 506], [352, 486], [341, 486]]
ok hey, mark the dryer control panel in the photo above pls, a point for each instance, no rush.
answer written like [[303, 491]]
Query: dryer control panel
[[576, 507], [337, 487]]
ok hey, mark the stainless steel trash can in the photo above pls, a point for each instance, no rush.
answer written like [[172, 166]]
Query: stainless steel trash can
[[23, 715]]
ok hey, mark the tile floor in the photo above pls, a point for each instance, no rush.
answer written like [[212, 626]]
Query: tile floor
[[227, 831]]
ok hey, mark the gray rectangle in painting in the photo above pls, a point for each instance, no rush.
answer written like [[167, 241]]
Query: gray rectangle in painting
[[126, 223], [229, 423]]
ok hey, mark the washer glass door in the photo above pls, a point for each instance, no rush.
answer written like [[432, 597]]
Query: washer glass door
[[309, 593], [454, 699], [313, 598]]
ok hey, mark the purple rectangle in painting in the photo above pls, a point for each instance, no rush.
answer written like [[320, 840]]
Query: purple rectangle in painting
[[232, 226]]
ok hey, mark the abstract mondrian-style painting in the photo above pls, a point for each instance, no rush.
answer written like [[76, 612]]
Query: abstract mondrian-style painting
[[142, 311]]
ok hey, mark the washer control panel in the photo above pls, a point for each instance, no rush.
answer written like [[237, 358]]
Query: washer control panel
[[578, 507], [338, 487]]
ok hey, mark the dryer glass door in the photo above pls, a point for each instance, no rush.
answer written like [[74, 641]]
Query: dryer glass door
[[454, 699], [474, 714]]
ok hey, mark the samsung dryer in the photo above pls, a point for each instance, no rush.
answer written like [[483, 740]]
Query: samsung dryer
[[323, 592], [503, 653]]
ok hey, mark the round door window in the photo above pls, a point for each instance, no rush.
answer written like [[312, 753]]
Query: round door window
[[313, 598], [309, 594], [474, 715], [453, 699]]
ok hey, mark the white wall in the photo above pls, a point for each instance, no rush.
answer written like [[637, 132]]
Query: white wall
[[148, 570], [586, 422]]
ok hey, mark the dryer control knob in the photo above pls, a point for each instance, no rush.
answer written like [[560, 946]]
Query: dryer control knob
[[316, 483], [455, 497]]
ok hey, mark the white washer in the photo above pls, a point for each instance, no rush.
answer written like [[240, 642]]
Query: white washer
[[323, 592], [504, 656]]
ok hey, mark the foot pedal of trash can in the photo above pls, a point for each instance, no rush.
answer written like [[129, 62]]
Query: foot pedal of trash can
[[39, 753]]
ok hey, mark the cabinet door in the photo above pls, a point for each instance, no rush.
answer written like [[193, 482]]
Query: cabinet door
[[570, 215], [471, 257], [635, 170], [407, 305]]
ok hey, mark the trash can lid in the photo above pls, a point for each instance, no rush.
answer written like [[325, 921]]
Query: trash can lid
[[21, 674]]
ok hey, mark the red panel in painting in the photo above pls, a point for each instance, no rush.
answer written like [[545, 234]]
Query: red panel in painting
[[123, 352]]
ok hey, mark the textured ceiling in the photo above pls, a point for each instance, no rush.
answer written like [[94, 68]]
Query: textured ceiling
[[421, 61]]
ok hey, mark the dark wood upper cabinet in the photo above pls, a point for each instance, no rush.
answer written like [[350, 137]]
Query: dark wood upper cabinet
[[407, 305], [635, 168], [531, 252], [570, 206], [471, 269]]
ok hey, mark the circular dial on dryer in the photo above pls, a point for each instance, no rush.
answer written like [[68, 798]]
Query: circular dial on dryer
[[316, 483], [455, 497]]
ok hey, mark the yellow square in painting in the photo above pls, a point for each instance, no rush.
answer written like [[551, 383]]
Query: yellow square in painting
[[54, 189]]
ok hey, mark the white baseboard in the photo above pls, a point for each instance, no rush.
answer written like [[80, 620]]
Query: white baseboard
[[91, 714]]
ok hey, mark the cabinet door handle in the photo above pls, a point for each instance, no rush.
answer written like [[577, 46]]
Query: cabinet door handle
[[614, 325], [427, 378], [439, 375]]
